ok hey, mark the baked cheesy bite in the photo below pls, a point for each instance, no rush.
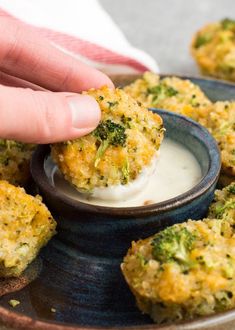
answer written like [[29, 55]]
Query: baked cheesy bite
[[221, 124], [186, 270], [170, 93], [184, 97], [121, 150], [26, 225], [213, 48], [223, 206], [14, 161]]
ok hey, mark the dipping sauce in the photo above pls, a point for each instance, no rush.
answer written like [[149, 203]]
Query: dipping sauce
[[177, 171]]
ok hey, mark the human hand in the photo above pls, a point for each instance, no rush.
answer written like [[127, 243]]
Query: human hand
[[43, 116]]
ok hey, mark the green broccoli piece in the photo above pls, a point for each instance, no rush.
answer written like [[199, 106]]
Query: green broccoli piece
[[161, 92], [109, 133], [8, 147], [221, 208], [126, 172], [202, 40], [231, 189], [10, 144], [228, 24], [194, 102], [173, 244], [112, 104]]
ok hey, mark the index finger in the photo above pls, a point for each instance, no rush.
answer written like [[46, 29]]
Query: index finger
[[26, 55]]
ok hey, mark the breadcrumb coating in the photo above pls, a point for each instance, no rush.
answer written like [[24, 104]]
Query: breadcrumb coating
[[221, 124], [14, 161], [223, 206], [170, 93], [26, 225]]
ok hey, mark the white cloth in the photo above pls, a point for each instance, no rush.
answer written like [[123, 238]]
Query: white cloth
[[83, 29]]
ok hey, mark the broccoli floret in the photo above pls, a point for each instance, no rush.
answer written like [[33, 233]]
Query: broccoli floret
[[8, 148], [109, 133], [173, 244], [10, 144], [228, 24], [112, 104], [231, 189], [161, 92], [126, 172], [202, 40], [221, 208]]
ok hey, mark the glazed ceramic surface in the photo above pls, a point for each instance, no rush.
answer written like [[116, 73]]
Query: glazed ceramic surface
[[80, 285]]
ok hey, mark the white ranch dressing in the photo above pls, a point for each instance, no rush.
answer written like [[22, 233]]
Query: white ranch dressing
[[176, 172]]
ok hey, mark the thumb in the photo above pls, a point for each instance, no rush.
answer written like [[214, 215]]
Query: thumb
[[45, 117]]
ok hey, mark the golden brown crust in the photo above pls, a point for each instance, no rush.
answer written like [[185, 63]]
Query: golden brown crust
[[170, 93], [223, 206], [221, 124], [26, 225], [213, 48]]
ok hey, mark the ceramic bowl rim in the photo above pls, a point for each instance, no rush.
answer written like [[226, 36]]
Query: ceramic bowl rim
[[134, 76], [41, 179]]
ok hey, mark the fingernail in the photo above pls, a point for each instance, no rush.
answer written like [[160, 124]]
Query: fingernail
[[85, 111]]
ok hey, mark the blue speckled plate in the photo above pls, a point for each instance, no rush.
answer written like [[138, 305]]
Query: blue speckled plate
[[48, 302]]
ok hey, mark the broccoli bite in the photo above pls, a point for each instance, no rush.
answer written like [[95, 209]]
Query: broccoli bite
[[170, 93], [26, 226], [223, 206], [125, 142], [184, 271], [14, 161], [185, 98], [221, 124], [213, 48]]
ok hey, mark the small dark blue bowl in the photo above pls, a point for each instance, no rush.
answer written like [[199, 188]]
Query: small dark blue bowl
[[108, 231]]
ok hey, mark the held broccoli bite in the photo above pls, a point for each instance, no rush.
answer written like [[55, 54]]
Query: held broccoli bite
[[14, 161], [213, 48], [26, 225], [118, 153]]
